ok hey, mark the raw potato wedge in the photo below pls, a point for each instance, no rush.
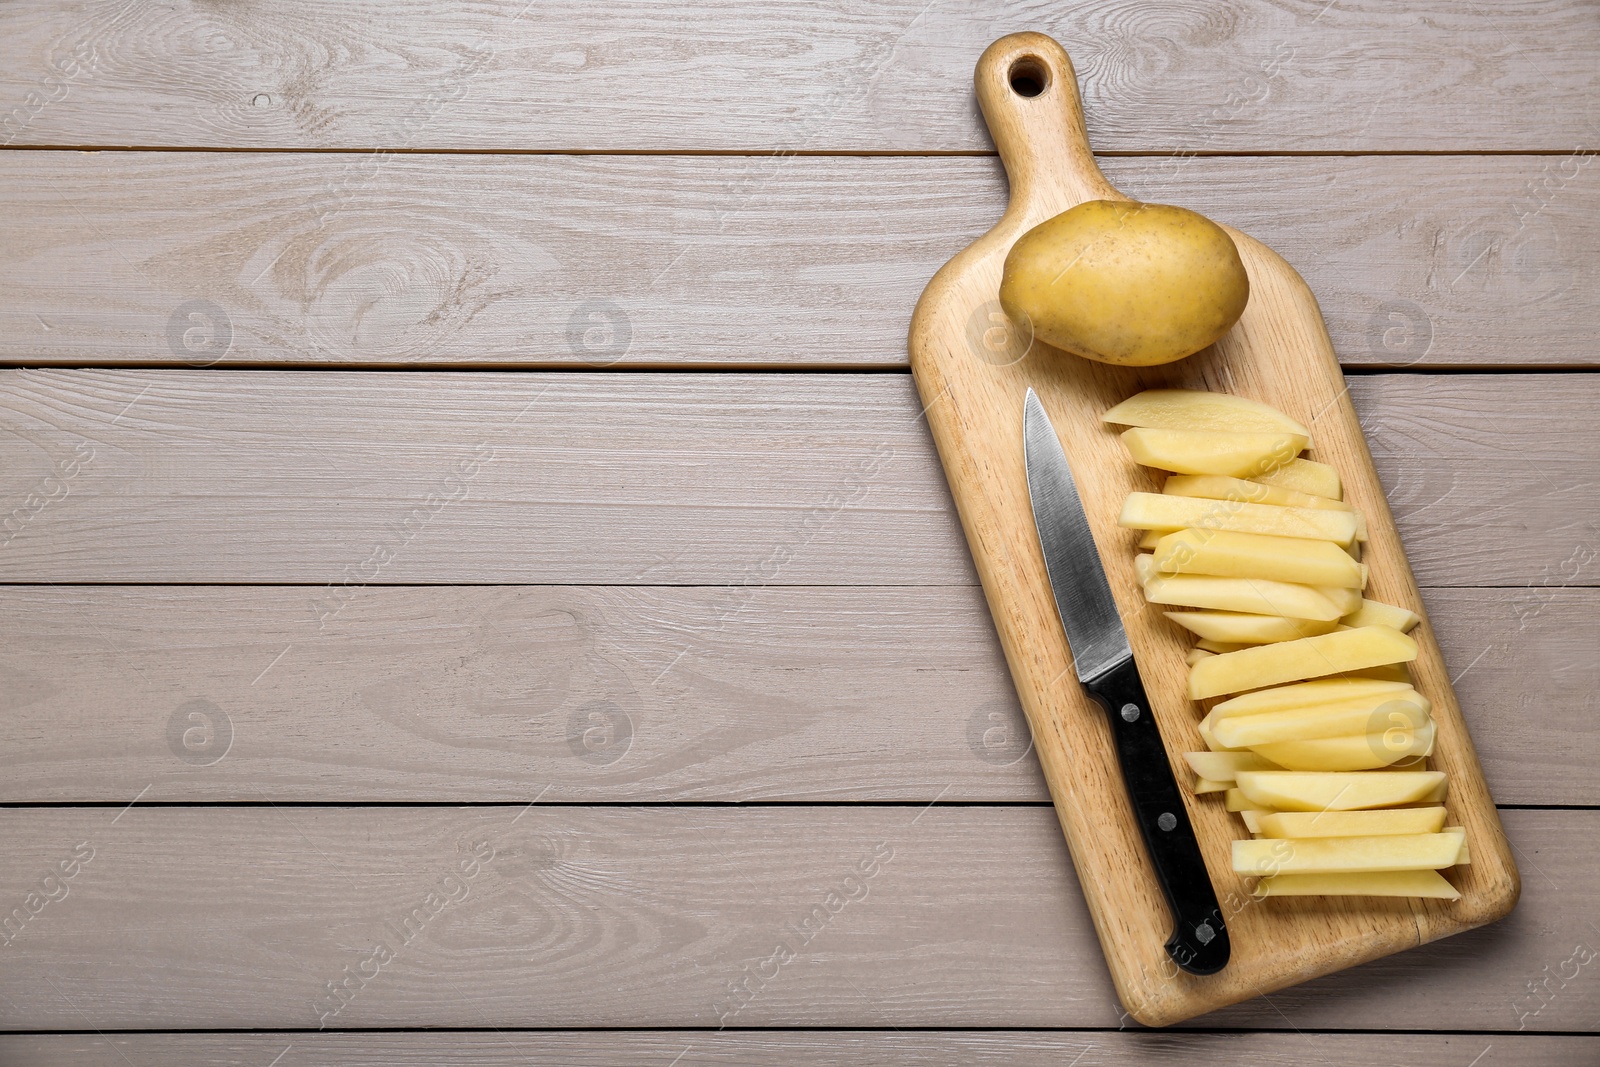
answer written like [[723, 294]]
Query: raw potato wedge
[[1351, 823], [1360, 715], [1291, 661], [1197, 409], [1239, 455], [1220, 487], [1235, 800], [1305, 694], [1345, 599], [1388, 672], [1346, 855], [1157, 511], [1229, 554], [1223, 766], [1373, 613], [1365, 752], [1144, 568], [1377, 884], [1230, 626], [1305, 476], [1210, 739], [1203, 786], [1256, 596], [1339, 791]]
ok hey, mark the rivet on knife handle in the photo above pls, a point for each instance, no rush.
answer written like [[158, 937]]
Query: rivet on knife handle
[[1103, 661]]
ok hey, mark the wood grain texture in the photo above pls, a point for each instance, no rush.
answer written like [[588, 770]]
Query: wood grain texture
[[1248, 75], [646, 261], [650, 479], [1038, 1048], [972, 383], [790, 684], [640, 917], [608, 695]]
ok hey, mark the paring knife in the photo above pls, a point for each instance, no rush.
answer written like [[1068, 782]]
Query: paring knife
[[1104, 665]]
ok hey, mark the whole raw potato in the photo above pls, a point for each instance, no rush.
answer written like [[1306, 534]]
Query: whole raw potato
[[1126, 283]]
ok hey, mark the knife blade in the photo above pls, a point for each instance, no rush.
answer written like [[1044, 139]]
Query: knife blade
[[1104, 664]]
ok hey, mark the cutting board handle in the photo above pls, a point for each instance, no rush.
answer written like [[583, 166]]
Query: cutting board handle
[[1029, 95]]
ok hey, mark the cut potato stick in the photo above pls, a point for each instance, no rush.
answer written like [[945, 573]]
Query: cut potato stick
[[1252, 819], [1306, 694], [1255, 596], [1208, 785], [1230, 554], [1239, 455], [1306, 476], [1235, 800], [1144, 568], [1239, 628], [1157, 511], [1148, 541], [1291, 661], [1195, 655], [1345, 599], [1198, 409], [1339, 791], [1210, 739], [1222, 766], [1463, 858], [1346, 855], [1372, 823], [1407, 710], [1366, 752], [1377, 884], [1220, 487], [1373, 613]]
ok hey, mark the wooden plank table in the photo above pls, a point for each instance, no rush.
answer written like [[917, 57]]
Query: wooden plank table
[[477, 587]]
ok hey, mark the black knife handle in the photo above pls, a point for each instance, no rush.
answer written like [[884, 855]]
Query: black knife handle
[[1200, 943]]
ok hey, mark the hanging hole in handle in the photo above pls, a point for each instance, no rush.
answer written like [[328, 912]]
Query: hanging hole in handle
[[1029, 76]]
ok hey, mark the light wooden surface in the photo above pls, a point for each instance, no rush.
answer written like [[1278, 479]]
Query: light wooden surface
[[853, 75], [1278, 352], [1426, 261], [651, 479], [671, 592], [639, 916], [792, 694]]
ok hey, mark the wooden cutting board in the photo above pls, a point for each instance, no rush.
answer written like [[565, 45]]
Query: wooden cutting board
[[973, 368]]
